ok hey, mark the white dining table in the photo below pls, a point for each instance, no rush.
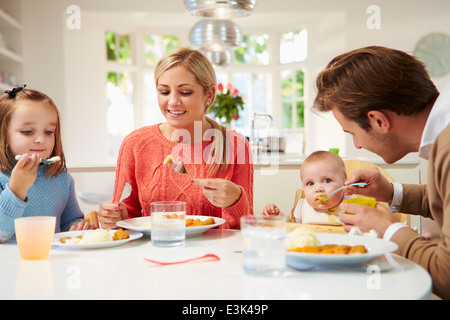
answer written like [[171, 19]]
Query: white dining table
[[122, 273]]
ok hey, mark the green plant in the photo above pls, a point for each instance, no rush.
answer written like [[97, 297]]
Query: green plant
[[227, 104]]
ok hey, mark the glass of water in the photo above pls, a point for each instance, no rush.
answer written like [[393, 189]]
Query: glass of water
[[264, 245], [168, 223]]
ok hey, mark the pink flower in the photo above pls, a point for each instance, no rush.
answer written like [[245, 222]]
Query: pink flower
[[234, 92], [235, 116], [220, 86]]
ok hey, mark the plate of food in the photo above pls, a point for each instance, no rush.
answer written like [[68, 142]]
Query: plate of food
[[307, 250], [94, 239], [195, 225]]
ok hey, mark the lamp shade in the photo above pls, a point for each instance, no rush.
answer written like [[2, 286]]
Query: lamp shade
[[215, 35], [220, 9], [219, 58]]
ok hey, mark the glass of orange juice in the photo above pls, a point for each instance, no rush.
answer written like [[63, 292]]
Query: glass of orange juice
[[34, 236]]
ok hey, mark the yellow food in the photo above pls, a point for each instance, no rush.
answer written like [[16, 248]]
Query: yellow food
[[303, 240], [301, 237], [363, 201], [189, 222], [198, 222], [331, 249], [120, 235], [92, 218], [168, 159]]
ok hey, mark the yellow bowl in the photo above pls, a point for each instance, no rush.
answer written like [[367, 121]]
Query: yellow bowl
[[363, 201]]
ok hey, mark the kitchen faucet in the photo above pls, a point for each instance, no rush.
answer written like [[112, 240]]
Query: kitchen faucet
[[259, 115]]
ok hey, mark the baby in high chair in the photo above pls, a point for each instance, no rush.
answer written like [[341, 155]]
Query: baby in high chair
[[321, 173]]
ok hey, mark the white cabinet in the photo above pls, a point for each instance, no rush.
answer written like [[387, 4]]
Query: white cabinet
[[11, 69]]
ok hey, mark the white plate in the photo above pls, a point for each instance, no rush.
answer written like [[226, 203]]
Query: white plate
[[136, 224], [72, 234], [375, 247]]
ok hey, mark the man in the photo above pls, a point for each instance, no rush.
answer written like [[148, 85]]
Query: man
[[385, 99]]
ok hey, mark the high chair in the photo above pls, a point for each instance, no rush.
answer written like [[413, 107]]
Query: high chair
[[351, 166]]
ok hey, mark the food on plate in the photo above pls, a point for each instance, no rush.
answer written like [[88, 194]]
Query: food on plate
[[63, 240], [198, 222], [301, 237], [120, 235], [92, 218], [100, 235], [303, 240], [190, 222], [331, 249], [168, 159]]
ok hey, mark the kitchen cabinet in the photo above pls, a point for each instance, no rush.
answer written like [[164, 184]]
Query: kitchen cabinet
[[11, 68]]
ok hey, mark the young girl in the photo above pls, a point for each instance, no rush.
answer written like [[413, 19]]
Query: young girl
[[30, 127]]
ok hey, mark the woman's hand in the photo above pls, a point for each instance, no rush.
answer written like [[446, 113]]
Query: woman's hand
[[270, 210], [220, 192], [377, 187], [24, 175], [111, 213]]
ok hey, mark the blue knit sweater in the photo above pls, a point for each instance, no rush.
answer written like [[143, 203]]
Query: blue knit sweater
[[48, 196]]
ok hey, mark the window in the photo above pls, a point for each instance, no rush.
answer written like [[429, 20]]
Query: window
[[293, 46], [268, 86], [292, 97], [118, 48], [123, 71], [156, 46], [119, 90], [120, 109], [253, 50]]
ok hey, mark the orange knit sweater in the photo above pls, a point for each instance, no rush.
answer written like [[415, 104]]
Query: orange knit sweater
[[140, 163]]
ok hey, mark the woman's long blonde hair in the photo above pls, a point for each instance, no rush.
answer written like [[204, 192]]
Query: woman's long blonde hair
[[7, 107], [205, 75]]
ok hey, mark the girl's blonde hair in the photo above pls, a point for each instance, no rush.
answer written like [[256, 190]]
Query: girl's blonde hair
[[8, 105], [205, 75]]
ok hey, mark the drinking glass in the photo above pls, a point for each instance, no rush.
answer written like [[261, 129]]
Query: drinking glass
[[34, 236], [264, 245], [168, 223]]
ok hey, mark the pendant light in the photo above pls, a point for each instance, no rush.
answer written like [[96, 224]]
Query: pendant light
[[220, 9], [215, 35]]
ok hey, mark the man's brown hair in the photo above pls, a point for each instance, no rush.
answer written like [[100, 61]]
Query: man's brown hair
[[374, 78]]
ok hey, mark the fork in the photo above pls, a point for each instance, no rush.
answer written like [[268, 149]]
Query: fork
[[326, 198], [44, 161], [179, 167], [208, 255]]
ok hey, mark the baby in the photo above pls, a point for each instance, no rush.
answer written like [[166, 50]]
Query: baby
[[322, 173]]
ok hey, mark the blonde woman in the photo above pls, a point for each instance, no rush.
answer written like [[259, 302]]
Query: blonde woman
[[218, 159]]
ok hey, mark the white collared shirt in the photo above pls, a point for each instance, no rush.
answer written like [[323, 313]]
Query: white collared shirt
[[437, 121]]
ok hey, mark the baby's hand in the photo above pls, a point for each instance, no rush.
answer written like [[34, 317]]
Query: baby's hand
[[270, 210], [24, 175]]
